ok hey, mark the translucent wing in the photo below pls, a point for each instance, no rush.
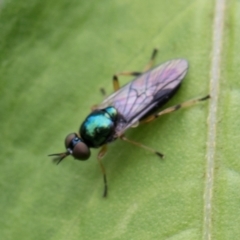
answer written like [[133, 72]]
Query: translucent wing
[[135, 99]]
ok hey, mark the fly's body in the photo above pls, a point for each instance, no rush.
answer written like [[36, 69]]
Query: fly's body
[[132, 103], [128, 106]]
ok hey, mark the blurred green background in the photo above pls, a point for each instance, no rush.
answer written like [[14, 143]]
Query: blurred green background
[[54, 58]]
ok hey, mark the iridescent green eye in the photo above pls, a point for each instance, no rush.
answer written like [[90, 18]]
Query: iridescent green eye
[[76, 147]]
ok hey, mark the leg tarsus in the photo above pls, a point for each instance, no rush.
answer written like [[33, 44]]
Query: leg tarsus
[[103, 92], [105, 191], [152, 59], [100, 156], [154, 53], [205, 98], [135, 74]]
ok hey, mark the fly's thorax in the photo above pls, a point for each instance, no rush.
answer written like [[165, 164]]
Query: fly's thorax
[[99, 127]]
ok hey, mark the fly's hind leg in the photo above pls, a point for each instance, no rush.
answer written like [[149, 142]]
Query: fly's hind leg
[[116, 85], [174, 108]]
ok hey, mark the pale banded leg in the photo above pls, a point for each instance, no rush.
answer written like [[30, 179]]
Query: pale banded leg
[[174, 108]]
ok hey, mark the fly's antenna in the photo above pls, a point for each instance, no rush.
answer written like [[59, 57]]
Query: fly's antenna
[[58, 157]]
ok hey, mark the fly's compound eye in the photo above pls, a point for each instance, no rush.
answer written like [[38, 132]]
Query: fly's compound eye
[[69, 138], [81, 151], [76, 147]]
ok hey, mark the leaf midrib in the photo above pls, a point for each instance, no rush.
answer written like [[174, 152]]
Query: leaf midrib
[[212, 117]]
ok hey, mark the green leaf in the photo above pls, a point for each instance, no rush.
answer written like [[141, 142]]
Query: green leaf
[[54, 58]]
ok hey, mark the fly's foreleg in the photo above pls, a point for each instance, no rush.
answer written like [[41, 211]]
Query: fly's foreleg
[[102, 151], [103, 92], [100, 156], [174, 108]]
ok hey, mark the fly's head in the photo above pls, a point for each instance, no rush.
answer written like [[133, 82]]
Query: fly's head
[[97, 129], [75, 146]]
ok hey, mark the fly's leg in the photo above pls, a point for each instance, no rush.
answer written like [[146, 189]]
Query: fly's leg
[[116, 85], [152, 59], [174, 108], [100, 156], [94, 107], [103, 92], [104, 178], [142, 146], [102, 151]]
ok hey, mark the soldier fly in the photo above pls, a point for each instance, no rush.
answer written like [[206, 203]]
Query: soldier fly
[[128, 106]]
